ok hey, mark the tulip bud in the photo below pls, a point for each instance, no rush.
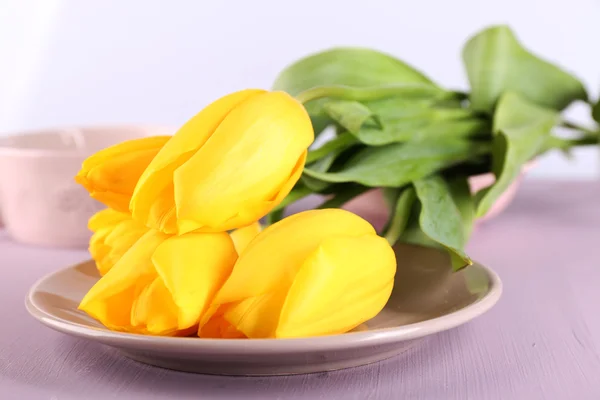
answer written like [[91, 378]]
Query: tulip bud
[[226, 167], [163, 285], [111, 174], [315, 273]]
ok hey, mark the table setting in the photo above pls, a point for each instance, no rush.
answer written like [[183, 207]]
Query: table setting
[[355, 231]]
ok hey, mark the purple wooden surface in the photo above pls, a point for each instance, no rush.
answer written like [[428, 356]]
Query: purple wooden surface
[[540, 342]]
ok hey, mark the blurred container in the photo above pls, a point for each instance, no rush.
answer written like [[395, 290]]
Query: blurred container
[[40, 203]]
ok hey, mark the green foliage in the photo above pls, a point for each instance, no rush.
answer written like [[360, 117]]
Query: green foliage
[[420, 143]]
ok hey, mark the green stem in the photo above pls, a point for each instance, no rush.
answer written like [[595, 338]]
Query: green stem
[[368, 93], [339, 143], [297, 193], [343, 196], [275, 216], [400, 215]]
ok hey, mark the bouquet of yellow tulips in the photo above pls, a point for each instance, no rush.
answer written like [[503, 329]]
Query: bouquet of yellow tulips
[[180, 248]]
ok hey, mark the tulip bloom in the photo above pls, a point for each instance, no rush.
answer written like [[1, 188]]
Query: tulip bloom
[[163, 285], [114, 234], [315, 273], [226, 167], [111, 174]]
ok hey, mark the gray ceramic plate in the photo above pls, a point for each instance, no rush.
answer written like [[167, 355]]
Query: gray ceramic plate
[[427, 299]]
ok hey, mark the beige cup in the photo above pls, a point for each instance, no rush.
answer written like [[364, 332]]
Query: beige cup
[[40, 203]]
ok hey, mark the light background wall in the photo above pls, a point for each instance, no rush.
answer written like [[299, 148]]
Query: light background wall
[[66, 62]]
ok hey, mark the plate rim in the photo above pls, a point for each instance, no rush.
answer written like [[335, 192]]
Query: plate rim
[[329, 342]]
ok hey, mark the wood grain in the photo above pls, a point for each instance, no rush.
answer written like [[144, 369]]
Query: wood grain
[[541, 341]]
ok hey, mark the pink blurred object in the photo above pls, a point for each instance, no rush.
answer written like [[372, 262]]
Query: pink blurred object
[[373, 208], [40, 202]]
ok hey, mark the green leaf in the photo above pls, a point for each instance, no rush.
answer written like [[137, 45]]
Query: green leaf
[[557, 143], [465, 202], [350, 114], [408, 91], [440, 219], [398, 119], [474, 166], [349, 66], [397, 164], [596, 111], [522, 129], [400, 215], [431, 124], [496, 62], [412, 232], [351, 104], [460, 192], [402, 104]]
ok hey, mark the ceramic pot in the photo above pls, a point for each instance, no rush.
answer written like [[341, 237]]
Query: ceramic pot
[[40, 202]]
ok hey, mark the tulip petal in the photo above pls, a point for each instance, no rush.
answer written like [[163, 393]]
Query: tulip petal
[[344, 283], [155, 310], [257, 317], [99, 250], [243, 165], [266, 206], [110, 300], [153, 200], [243, 236], [111, 174], [193, 267], [119, 239], [102, 224], [212, 311], [106, 218], [218, 327], [287, 187], [273, 258]]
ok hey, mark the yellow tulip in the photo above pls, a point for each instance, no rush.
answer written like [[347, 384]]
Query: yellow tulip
[[111, 174], [346, 282], [314, 273], [163, 285], [227, 167], [243, 236]]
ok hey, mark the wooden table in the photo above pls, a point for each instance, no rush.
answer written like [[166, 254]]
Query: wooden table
[[540, 342]]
